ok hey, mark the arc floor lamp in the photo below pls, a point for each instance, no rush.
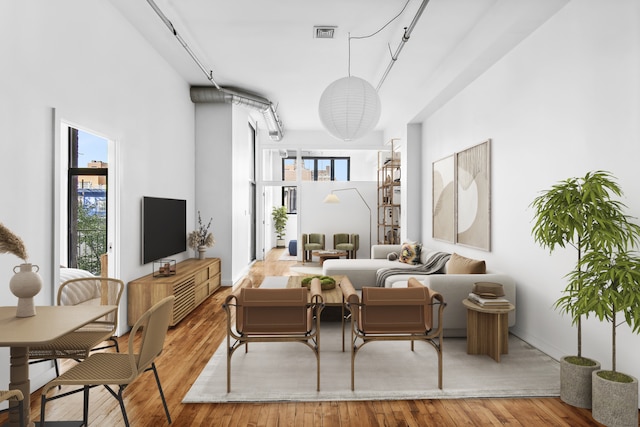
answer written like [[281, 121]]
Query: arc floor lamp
[[332, 198]]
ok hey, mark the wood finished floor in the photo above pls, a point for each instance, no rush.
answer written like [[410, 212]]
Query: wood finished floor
[[192, 342]]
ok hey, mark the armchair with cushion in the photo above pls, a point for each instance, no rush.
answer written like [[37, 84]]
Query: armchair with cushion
[[347, 242], [311, 242], [273, 315], [392, 314]]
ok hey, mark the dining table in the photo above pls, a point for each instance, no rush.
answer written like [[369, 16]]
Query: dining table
[[48, 324]]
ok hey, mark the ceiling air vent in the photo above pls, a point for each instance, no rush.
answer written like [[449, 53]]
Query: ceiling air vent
[[324, 31]]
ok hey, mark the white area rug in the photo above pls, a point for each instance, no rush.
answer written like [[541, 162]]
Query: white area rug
[[307, 268], [276, 372]]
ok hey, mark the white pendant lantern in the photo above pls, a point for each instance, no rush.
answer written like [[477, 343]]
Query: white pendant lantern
[[349, 108]]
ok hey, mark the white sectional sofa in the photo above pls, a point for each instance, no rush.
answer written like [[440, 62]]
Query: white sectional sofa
[[454, 287]]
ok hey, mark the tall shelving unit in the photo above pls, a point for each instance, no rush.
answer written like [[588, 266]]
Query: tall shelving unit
[[389, 205]]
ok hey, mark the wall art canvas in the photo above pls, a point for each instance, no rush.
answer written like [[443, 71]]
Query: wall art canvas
[[473, 196], [443, 216]]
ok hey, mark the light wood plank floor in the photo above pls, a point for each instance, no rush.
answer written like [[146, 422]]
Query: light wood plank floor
[[192, 342]]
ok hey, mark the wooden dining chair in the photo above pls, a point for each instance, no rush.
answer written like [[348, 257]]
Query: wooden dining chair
[[395, 314], [78, 344], [119, 369], [274, 315], [14, 396]]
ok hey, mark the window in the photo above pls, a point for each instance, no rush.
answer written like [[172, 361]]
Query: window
[[290, 199], [87, 203], [313, 169], [317, 169]]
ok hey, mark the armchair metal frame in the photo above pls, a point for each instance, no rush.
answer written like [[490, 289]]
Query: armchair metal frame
[[119, 369], [273, 315], [394, 314]]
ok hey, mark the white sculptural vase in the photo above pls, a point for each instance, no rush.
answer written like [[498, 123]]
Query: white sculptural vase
[[25, 284]]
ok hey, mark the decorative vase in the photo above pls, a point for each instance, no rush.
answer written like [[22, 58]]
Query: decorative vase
[[575, 383], [202, 251], [25, 284], [615, 403]]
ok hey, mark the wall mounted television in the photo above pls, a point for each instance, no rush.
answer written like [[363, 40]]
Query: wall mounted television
[[164, 228]]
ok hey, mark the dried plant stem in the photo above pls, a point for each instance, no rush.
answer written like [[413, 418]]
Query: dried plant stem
[[10, 243]]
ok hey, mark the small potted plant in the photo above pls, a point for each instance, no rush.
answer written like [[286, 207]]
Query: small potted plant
[[279, 215], [581, 213]]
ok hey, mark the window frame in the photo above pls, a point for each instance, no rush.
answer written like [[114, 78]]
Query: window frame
[[293, 189]]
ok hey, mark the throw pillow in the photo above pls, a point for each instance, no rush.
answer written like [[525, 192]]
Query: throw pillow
[[392, 256], [461, 265], [410, 253]]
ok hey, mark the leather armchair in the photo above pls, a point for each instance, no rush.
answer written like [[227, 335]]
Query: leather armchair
[[274, 315], [395, 314]]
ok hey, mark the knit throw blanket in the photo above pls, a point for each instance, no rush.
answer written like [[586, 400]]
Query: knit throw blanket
[[433, 265]]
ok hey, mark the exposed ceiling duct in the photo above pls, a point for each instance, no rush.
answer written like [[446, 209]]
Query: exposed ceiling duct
[[240, 97], [218, 94]]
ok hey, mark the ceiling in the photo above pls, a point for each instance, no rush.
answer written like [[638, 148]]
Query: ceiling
[[268, 47]]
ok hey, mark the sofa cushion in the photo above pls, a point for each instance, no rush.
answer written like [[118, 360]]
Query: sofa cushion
[[410, 253], [462, 265]]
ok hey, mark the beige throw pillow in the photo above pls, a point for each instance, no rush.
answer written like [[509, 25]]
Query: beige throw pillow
[[462, 265]]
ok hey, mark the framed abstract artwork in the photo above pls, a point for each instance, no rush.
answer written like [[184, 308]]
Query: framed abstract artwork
[[473, 204], [443, 199]]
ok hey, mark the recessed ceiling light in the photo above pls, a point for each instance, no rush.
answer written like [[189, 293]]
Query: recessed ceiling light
[[324, 31]]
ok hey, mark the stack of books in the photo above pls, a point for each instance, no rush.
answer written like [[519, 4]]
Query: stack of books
[[489, 302]]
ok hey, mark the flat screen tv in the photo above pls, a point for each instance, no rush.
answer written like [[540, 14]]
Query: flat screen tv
[[164, 228]]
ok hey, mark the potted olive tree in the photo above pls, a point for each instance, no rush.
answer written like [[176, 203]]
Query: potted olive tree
[[610, 290], [581, 213], [279, 215]]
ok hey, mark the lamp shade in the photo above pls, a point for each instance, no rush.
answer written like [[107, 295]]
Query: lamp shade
[[331, 198], [349, 108]]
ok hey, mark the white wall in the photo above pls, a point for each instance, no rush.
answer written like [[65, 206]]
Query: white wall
[[86, 61], [214, 172], [563, 102]]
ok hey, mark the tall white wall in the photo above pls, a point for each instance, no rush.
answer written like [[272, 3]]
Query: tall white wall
[[563, 102], [84, 59], [214, 171]]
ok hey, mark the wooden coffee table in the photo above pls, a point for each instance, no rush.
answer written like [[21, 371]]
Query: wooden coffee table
[[331, 297], [323, 255]]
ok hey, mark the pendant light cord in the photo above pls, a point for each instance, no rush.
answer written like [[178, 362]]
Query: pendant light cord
[[374, 33]]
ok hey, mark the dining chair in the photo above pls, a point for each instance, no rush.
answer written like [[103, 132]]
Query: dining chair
[[15, 396], [119, 369], [78, 344], [395, 314], [274, 315]]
